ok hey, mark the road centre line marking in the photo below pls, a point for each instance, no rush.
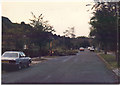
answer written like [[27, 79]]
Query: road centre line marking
[[67, 59]]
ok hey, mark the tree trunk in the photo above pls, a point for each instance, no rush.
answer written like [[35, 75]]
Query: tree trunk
[[105, 52]]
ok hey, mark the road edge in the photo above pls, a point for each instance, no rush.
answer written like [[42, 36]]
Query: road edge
[[109, 67]]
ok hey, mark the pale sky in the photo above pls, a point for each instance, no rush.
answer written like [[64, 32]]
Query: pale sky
[[60, 15]]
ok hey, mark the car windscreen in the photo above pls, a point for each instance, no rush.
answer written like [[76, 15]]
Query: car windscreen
[[10, 55], [22, 54]]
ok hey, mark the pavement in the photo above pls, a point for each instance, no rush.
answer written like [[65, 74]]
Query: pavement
[[83, 68], [117, 71]]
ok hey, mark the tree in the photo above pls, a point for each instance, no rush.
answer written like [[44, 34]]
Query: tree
[[14, 35], [39, 24], [104, 26], [70, 32], [41, 33]]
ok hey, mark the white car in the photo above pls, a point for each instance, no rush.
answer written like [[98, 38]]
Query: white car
[[92, 49], [15, 59], [89, 48]]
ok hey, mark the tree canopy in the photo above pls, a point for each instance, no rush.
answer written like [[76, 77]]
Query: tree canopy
[[104, 25]]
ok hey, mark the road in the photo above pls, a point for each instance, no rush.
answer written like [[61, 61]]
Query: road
[[83, 68]]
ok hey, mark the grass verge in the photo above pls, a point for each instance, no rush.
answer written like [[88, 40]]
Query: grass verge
[[110, 59]]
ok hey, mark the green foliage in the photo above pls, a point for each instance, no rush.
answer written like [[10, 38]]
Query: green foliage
[[70, 32], [39, 24], [104, 26], [61, 52], [13, 38], [36, 39], [110, 59], [16, 36]]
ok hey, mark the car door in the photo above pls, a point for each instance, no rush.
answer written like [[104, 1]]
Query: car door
[[24, 58]]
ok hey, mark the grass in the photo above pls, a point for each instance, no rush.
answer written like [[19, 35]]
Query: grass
[[110, 59], [96, 51]]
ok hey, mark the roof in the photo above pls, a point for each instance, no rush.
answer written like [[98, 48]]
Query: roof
[[12, 51]]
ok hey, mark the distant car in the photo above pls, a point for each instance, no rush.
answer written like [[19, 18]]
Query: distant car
[[82, 49], [15, 59], [92, 49], [89, 48]]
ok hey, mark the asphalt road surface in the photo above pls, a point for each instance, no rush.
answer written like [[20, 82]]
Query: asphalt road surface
[[83, 68]]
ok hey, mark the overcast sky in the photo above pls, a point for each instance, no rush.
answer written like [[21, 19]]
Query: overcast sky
[[60, 15]]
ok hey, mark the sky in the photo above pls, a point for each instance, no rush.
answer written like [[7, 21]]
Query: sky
[[61, 15]]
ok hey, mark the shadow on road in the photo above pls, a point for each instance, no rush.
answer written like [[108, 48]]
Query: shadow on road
[[11, 69]]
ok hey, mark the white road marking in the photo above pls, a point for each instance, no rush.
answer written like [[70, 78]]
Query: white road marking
[[67, 58]]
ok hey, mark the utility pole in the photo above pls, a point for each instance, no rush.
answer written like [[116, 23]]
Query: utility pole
[[117, 14]]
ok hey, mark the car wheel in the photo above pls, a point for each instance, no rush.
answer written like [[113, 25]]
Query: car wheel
[[27, 65]]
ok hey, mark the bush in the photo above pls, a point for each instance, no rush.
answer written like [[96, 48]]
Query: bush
[[64, 52], [36, 53]]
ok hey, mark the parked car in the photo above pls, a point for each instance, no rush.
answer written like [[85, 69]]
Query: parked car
[[92, 49], [82, 49], [16, 59]]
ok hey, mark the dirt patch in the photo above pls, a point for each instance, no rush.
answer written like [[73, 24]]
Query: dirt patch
[[37, 60]]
